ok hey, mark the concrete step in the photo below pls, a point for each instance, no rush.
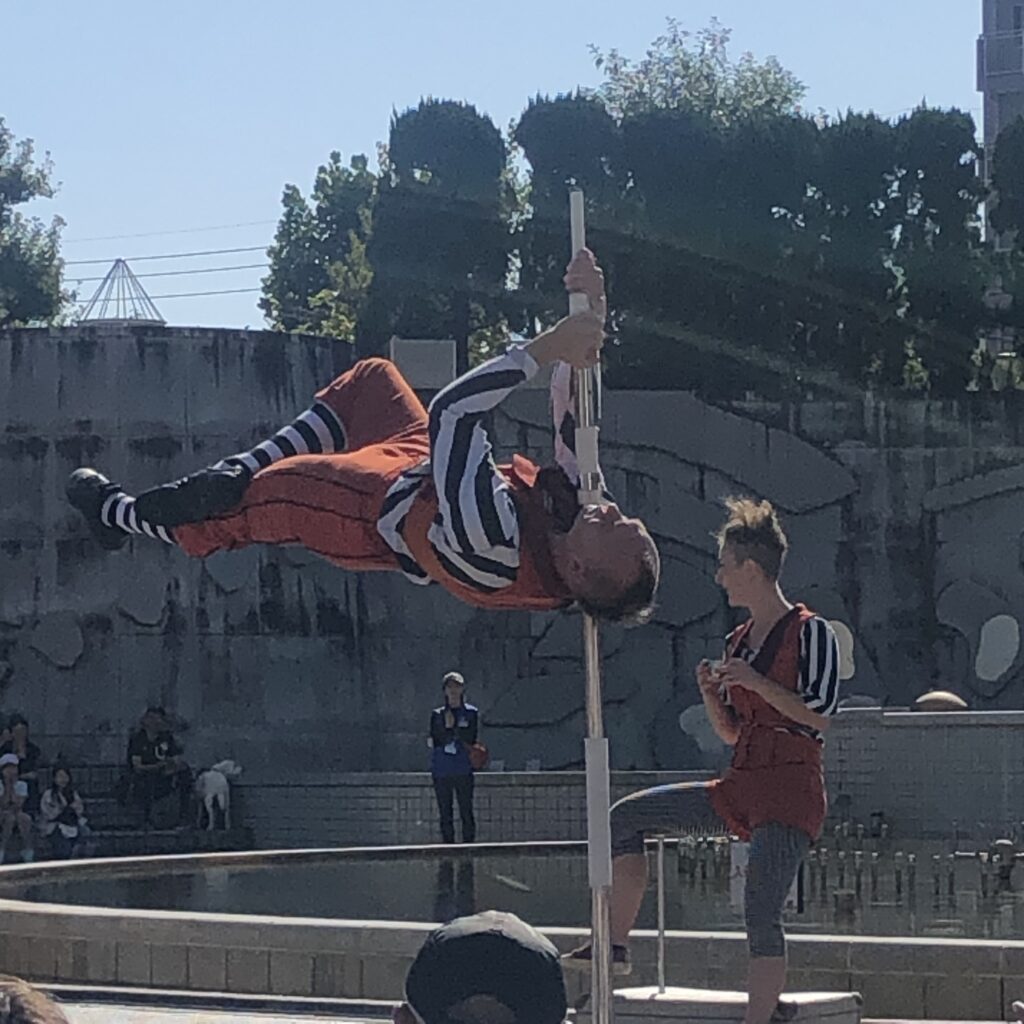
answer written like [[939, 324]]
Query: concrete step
[[646, 1005]]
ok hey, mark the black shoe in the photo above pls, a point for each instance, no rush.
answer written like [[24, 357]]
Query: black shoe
[[578, 959], [194, 498], [87, 490]]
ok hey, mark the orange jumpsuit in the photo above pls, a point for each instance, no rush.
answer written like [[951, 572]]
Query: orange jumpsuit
[[335, 504]]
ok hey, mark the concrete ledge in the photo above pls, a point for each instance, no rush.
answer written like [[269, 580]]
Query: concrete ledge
[[906, 717], [706, 1006]]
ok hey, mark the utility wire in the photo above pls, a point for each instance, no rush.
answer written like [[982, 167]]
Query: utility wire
[[170, 255], [223, 291], [179, 273], [175, 231]]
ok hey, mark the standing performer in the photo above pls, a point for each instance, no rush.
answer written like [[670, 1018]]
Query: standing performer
[[454, 728], [770, 699], [370, 481]]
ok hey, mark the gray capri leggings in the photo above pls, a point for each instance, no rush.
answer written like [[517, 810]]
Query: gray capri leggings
[[775, 852]]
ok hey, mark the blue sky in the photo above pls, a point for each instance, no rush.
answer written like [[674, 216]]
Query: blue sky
[[180, 123]]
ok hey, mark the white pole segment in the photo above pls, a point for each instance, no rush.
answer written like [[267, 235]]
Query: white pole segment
[[595, 746]]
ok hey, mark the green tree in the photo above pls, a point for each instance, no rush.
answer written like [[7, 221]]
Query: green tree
[[570, 139], [30, 263], [319, 274], [440, 242], [694, 71]]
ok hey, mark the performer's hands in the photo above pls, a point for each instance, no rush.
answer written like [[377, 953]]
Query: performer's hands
[[584, 275], [737, 672], [707, 677]]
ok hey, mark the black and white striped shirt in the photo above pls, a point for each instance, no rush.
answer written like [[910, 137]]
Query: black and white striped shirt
[[818, 678], [476, 532]]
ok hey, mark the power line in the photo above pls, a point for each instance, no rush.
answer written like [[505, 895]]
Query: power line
[[178, 273], [174, 231], [169, 256], [223, 291]]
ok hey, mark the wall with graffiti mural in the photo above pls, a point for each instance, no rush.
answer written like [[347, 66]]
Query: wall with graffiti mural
[[904, 517]]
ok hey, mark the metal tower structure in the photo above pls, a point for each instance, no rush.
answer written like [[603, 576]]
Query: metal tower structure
[[121, 299]]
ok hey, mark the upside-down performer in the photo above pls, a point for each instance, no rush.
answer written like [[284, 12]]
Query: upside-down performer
[[370, 480], [770, 699]]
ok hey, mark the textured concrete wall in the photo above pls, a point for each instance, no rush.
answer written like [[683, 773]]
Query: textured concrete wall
[[943, 774], [904, 521], [399, 809]]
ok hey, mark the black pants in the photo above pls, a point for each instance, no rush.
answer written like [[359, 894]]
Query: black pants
[[445, 787]]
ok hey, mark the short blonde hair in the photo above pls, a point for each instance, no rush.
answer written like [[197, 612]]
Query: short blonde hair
[[21, 1003], [753, 533]]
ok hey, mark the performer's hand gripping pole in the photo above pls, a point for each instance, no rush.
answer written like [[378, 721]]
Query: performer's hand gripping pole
[[596, 746]]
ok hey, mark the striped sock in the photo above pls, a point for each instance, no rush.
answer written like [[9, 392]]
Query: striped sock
[[317, 430], [119, 511]]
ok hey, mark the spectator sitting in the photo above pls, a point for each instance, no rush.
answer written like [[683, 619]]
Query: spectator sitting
[[21, 1003], [62, 815], [30, 759], [13, 794], [158, 772], [491, 968]]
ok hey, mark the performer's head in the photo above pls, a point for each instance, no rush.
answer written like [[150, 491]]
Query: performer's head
[[751, 550], [20, 1003], [454, 687], [611, 564]]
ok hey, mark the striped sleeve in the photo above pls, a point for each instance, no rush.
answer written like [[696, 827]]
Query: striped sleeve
[[819, 666], [476, 533], [563, 413]]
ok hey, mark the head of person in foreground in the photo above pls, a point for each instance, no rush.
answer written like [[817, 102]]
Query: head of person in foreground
[[491, 968], [21, 1003], [751, 552]]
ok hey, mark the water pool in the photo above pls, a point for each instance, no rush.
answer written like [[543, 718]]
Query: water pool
[[543, 883]]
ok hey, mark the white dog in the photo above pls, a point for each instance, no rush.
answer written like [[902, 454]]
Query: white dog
[[213, 790]]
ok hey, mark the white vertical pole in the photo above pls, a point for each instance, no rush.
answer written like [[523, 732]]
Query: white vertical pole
[[661, 914], [595, 745]]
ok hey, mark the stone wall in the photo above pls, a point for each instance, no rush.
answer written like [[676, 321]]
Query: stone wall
[[934, 775], [356, 809], [940, 776], [903, 518]]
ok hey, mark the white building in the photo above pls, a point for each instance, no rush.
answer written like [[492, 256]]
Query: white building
[[1001, 66]]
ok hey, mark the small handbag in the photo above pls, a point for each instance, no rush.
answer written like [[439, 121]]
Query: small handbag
[[478, 756]]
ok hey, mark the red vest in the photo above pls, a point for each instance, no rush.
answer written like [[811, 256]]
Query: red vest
[[776, 775], [537, 587]]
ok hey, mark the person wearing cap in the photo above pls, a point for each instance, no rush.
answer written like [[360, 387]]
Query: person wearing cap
[[453, 730], [30, 758], [13, 816], [491, 968]]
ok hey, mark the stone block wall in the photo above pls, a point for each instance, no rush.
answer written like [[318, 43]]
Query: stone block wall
[[904, 521], [933, 775], [399, 808]]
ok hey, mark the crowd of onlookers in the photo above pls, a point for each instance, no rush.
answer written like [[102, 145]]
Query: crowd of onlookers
[[40, 806], [28, 811]]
